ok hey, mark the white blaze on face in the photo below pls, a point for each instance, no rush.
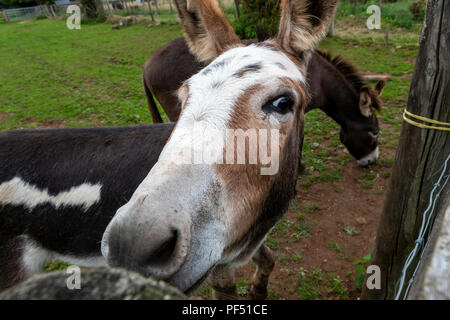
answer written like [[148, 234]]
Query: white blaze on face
[[17, 192], [213, 94]]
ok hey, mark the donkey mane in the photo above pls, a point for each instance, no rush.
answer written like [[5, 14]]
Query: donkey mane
[[345, 67], [352, 74]]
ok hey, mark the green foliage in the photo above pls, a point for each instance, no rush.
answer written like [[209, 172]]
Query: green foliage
[[51, 266], [334, 246], [336, 285], [94, 10], [395, 14], [243, 287], [271, 242], [360, 269], [309, 284], [351, 230], [301, 230], [259, 19], [367, 180], [204, 290], [25, 3]]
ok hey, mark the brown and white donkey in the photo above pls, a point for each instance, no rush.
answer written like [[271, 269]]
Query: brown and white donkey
[[186, 221]]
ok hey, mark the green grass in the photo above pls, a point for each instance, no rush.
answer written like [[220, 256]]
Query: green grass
[[312, 284], [334, 246], [309, 283], [204, 290], [243, 287], [81, 77], [301, 230], [367, 180], [360, 268], [351, 231], [51, 266], [312, 208], [271, 242]]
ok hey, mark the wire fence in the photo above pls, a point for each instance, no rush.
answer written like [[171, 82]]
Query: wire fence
[[403, 284], [110, 6], [20, 14]]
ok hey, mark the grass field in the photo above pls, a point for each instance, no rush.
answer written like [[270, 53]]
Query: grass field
[[54, 77], [92, 76]]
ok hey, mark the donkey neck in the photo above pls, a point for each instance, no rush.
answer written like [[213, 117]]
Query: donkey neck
[[331, 91]]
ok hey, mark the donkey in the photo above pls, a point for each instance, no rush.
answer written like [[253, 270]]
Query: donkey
[[59, 189], [336, 87], [187, 221], [100, 175]]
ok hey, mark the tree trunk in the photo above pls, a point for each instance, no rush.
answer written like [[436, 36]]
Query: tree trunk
[[156, 6], [93, 8], [150, 9], [421, 154], [236, 5]]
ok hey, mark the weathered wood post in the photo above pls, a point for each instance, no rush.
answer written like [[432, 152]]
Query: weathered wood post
[[5, 16], [170, 5], [420, 155]]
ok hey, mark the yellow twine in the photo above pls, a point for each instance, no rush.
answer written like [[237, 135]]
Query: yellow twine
[[424, 126]]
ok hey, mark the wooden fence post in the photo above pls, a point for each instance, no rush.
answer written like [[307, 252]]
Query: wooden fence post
[[5, 16], [420, 155]]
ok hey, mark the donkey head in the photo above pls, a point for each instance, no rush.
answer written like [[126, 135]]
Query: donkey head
[[360, 135], [197, 209]]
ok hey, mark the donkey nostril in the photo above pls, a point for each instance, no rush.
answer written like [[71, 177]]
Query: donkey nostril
[[163, 253]]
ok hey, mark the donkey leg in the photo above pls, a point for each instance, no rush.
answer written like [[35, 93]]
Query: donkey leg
[[20, 259], [222, 282], [11, 268], [265, 263]]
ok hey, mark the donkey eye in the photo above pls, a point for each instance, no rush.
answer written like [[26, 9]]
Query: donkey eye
[[283, 105]]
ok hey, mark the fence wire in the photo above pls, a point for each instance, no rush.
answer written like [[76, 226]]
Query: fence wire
[[421, 242]]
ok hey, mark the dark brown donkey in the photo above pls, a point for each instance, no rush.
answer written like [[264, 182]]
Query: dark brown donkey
[[336, 87]]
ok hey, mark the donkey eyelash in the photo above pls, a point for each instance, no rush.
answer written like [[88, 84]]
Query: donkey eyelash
[[282, 104]]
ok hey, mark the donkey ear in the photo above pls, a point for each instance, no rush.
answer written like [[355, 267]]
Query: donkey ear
[[304, 23], [380, 86], [206, 29], [365, 103]]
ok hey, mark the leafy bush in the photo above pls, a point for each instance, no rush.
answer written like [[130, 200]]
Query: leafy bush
[[259, 19], [418, 9], [393, 13]]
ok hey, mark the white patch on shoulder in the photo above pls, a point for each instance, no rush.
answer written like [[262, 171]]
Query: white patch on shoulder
[[34, 258], [17, 192]]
